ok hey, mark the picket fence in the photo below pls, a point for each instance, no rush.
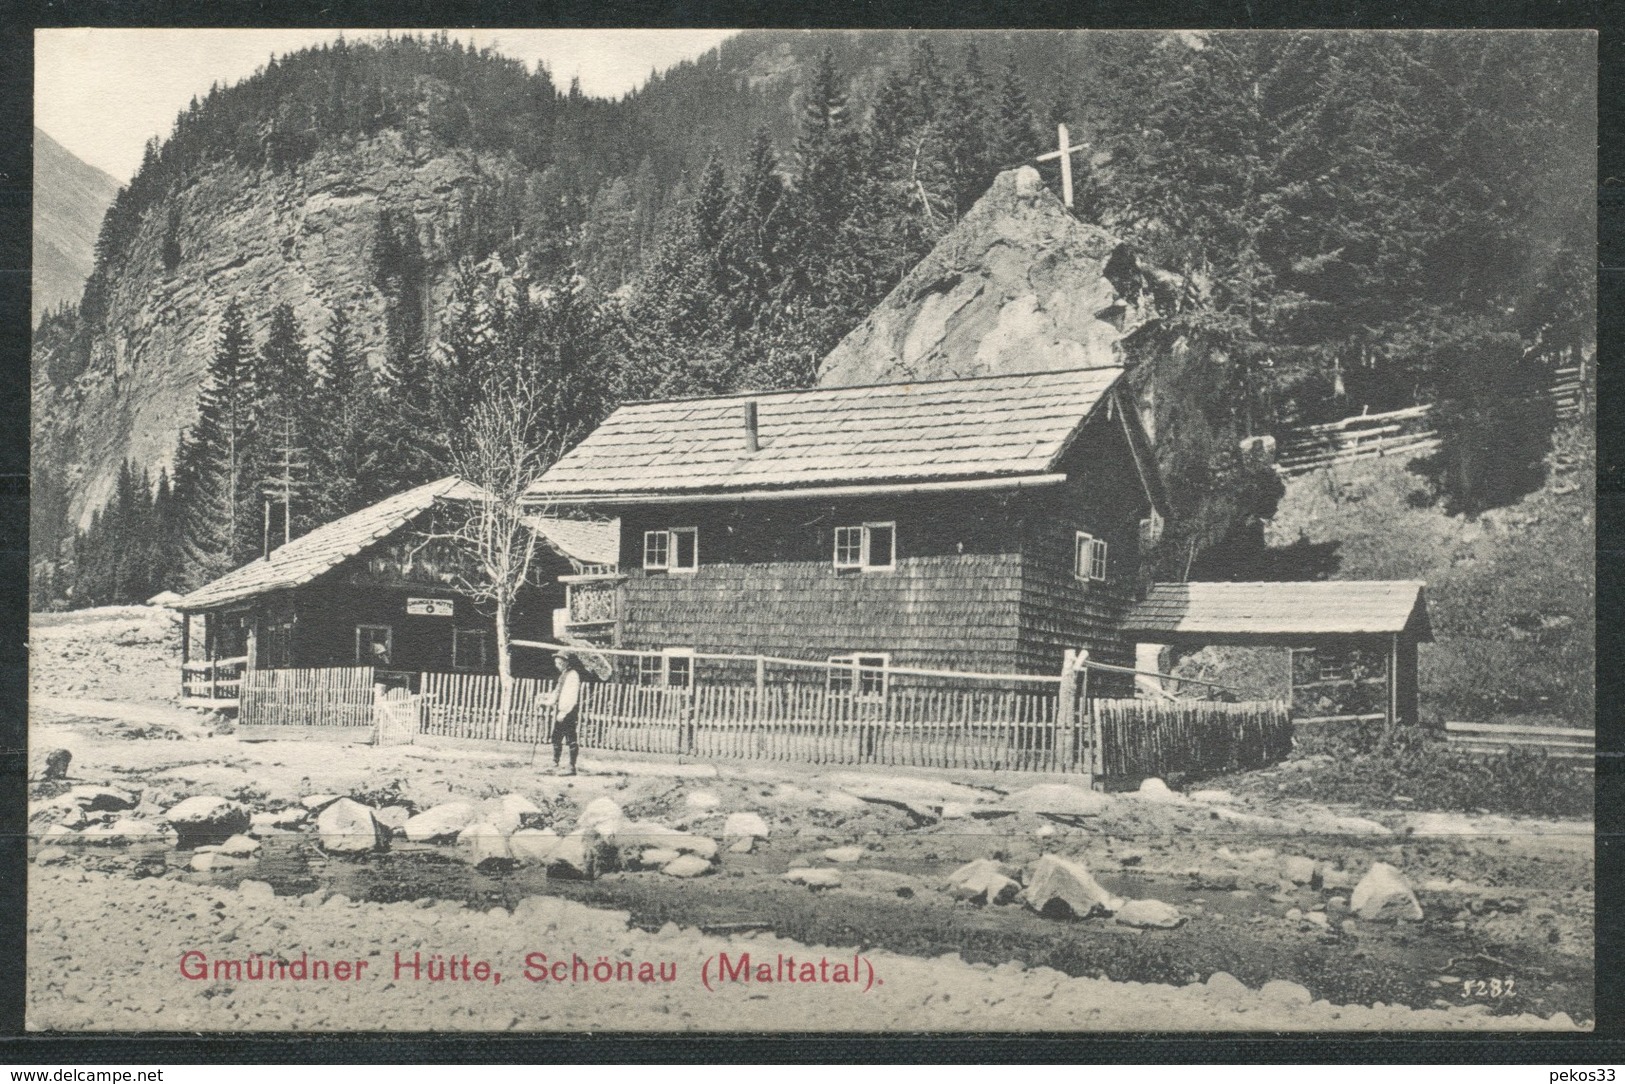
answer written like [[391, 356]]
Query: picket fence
[[987, 729]]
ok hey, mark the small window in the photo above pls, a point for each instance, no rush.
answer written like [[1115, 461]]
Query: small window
[[685, 549], [471, 649], [672, 668], [656, 549], [374, 645], [867, 546], [679, 668], [674, 550], [277, 650], [1089, 562], [862, 677]]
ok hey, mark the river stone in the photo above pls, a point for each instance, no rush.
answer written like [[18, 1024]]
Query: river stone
[[393, 817], [599, 811], [813, 878], [844, 854], [686, 865], [1384, 894], [1298, 870], [983, 881], [239, 846], [533, 845], [206, 819], [487, 846], [1064, 887], [318, 802], [1149, 915], [1281, 992], [1331, 879], [699, 846], [742, 845], [574, 856], [102, 799], [348, 827], [1060, 799], [508, 812], [701, 801], [1224, 984], [1155, 790], [657, 857], [56, 764], [50, 856], [440, 823], [58, 811], [742, 825]]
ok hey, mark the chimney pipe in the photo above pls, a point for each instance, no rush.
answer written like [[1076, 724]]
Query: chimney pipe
[[751, 443]]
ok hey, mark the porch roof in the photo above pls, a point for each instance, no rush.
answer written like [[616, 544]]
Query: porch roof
[[1013, 426], [1279, 612]]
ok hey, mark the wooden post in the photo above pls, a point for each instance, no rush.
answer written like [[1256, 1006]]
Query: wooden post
[[1392, 714], [761, 677], [1066, 704]]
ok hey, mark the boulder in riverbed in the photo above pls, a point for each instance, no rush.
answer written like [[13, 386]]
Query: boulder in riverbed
[[844, 854], [1058, 799], [686, 865], [239, 846], [1149, 915], [1063, 887], [508, 812], [813, 878], [1383, 894], [348, 827], [983, 881], [486, 846], [206, 819], [599, 811], [745, 825], [575, 856], [440, 823], [533, 845], [93, 799]]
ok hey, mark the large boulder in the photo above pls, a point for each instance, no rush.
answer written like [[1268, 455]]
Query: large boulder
[[440, 823], [813, 878], [1058, 799], [1155, 790], [93, 799], [508, 812], [206, 819], [60, 811], [239, 847], [1297, 869], [745, 826], [983, 881], [348, 827], [599, 811], [575, 856], [393, 817], [701, 801], [849, 853], [533, 845], [1384, 894], [486, 845], [1063, 887], [1149, 915], [128, 830]]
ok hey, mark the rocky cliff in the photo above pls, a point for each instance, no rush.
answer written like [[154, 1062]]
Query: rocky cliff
[[298, 235], [1019, 285], [70, 197]]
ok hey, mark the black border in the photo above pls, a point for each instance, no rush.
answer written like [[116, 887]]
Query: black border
[[18, 18]]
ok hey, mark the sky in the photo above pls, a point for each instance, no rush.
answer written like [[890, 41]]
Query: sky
[[103, 92]]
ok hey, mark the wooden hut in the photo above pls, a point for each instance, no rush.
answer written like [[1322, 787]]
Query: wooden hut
[[984, 524], [375, 588], [1333, 632]]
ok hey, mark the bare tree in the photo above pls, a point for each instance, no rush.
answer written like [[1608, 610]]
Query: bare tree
[[498, 454]]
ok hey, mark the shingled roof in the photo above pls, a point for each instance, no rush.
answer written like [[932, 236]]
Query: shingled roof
[[309, 556], [1275, 612], [996, 427]]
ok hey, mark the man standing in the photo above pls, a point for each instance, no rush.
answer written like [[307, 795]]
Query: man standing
[[566, 709]]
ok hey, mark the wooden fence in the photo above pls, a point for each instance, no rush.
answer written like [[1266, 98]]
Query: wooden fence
[[1495, 738], [988, 729], [1144, 737], [1409, 431], [337, 700], [216, 681]]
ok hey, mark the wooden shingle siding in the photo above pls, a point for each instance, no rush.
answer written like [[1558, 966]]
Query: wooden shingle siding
[[766, 583], [1103, 498]]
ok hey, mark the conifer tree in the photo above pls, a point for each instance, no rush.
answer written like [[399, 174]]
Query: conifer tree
[[284, 415], [219, 488]]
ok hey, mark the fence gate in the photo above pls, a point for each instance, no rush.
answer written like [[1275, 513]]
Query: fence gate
[[398, 716]]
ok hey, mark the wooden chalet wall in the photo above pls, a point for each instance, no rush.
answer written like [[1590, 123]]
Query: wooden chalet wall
[[983, 580], [1104, 497], [766, 582]]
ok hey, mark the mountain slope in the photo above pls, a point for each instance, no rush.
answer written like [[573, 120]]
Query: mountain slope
[[70, 197]]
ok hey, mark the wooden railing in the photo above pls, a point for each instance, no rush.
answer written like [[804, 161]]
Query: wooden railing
[[1496, 738], [216, 680]]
